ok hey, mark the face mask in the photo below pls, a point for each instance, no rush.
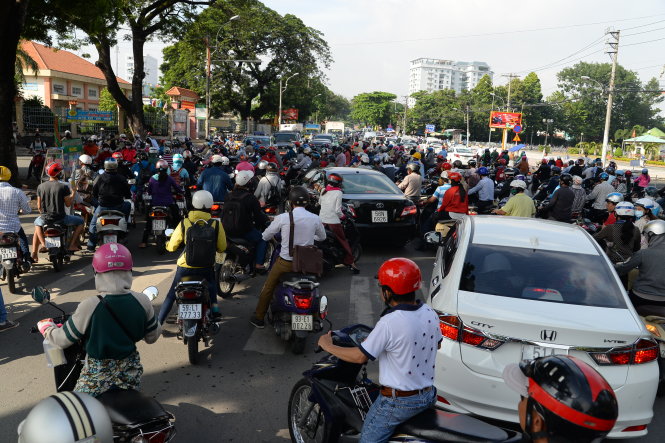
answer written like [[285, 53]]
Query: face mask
[[513, 191], [639, 214]]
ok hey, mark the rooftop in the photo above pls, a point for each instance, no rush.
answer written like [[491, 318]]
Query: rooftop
[[183, 92]]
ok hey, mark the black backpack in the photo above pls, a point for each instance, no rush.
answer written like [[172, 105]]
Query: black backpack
[[235, 218], [201, 243], [274, 196]]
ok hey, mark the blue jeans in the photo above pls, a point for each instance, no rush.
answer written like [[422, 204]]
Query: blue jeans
[[207, 273], [386, 413], [254, 236], [67, 220], [125, 208], [23, 242], [3, 311]]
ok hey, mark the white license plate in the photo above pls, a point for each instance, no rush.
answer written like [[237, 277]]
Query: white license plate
[[6, 253], [530, 352], [110, 239], [52, 242], [189, 311], [146, 196], [181, 204], [302, 322], [159, 225], [379, 216]]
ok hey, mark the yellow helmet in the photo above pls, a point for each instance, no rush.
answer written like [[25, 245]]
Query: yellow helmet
[[417, 155], [5, 174]]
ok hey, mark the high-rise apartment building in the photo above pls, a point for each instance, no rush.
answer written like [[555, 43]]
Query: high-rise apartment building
[[150, 67], [428, 74]]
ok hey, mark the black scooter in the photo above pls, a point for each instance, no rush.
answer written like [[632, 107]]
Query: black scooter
[[330, 402], [333, 252], [135, 417]]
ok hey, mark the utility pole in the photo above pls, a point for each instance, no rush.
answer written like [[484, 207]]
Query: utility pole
[[613, 50], [467, 125], [281, 91], [406, 108], [208, 56], [504, 139]]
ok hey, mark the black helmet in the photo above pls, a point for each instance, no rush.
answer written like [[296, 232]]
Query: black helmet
[[556, 170], [566, 179], [335, 180], [298, 196], [509, 172], [610, 170], [472, 163], [457, 164], [272, 167]]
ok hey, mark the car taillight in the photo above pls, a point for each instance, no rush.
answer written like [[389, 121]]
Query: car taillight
[[303, 301], [442, 400], [634, 428], [110, 221], [643, 351], [452, 328], [409, 210], [189, 294]]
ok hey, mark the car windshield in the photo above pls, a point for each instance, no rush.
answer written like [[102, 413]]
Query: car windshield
[[369, 184], [265, 141], [285, 138], [536, 274], [464, 151]]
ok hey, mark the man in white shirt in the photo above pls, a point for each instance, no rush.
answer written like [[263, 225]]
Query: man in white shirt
[[405, 341], [307, 229], [412, 182]]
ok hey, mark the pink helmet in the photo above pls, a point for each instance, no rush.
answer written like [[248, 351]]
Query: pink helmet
[[112, 257]]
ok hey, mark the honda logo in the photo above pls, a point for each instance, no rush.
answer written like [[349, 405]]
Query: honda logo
[[548, 335], [379, 205]]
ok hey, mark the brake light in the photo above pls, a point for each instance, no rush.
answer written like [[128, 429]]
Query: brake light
[[270, 210], [158, 214], [303, 301], [452, 328], [189, 294], [8, 239], [643, 351], [215, 208], [52, 232], [179, 197], [110, 221], [449, 325], [409, 210], [634, 428], [193, 187]]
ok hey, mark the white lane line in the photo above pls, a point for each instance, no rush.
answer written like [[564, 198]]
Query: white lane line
[[360, 304]]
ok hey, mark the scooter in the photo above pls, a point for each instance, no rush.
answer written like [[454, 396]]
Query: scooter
[[331, 401], [13, 262], [56, 239], [111, 227], [135, 417], [159, 216], [333, 253], [654, 319], [238, 264]]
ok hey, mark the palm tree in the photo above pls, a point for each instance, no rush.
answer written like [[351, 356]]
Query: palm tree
[[23, 62]]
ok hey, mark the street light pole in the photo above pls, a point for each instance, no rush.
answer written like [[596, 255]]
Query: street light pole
[[547, 122], [281, 91], [467, 126], [614, 49]]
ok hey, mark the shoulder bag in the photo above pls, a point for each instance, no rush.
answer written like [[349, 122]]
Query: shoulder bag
[[306, 259]]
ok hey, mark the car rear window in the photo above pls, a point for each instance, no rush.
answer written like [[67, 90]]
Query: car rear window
[[369, 184], [285, 137], [464, 151], [535, 274]]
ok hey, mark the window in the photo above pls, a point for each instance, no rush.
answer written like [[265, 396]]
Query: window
[[92, 93], [449, 249], [58, 89], [92, 109], [76, 90]]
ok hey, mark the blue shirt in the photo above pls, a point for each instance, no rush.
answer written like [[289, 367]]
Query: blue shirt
[[439, 192], [215, 181], [484, 188]]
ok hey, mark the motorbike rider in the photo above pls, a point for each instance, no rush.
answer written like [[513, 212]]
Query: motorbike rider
[[645, 209], [36, 163], [178, 172], [580, 196], [562, 400], [611, 202], [162, 187], [215, 180], [271, 187], [52, 198], [598, 195], [415, 158], [520, 204], [560, 206], [485, 190], [641, 182], [13, 200], [412, 183], [124, 168], [188, 162], [202, 202], [405, 340], [340, 158], [331, 213], [243, 217], [455, 203], [110, 324], [85, 169], [307, 229], [621, 239]]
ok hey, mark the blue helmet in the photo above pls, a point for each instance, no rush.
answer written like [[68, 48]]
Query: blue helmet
[[614, 197], [483, 171], [604, 176]]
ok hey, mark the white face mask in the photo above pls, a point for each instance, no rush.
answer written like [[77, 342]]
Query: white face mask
[[639, 214]]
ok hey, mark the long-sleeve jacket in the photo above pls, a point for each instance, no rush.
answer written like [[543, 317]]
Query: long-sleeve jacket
[[179, 235]]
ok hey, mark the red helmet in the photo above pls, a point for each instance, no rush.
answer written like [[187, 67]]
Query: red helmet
[[455, 176], [53, 169], [112, 257], [544, 161], [401, 275], [117, 155], [502, 161], [335, 179], [447, 166], [628, 174]]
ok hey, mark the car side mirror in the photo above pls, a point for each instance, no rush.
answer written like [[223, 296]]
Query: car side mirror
[[151, 292], [433, 238], [41, 295]]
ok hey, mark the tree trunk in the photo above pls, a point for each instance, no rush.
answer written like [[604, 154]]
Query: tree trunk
[[12, 18]]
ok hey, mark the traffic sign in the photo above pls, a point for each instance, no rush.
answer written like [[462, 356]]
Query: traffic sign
[[517, 129], [517, 138], [430, 128]]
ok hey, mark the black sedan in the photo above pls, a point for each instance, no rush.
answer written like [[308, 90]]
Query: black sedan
[[379, 207]]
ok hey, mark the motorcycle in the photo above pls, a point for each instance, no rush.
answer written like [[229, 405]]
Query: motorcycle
[[182, 205], [13, 263], [159, 216], [238, 264], [135, 417], [56, 239], [333, 253], [331, 402], [111, 227], [653, 317]]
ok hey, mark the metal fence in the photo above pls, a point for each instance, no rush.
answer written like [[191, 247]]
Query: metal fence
[[157, 122]]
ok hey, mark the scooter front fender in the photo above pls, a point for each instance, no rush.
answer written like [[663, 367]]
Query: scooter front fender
[[8, 264]]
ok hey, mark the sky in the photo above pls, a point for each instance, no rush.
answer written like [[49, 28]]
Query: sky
[[372, 41]]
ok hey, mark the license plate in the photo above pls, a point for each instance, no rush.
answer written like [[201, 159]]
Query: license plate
[[379, 216], [6, 253], [159, 225], [52, 242], [302, 322], [189, 311], [532, 352], [146, 196], [181, 204], [110, 239]]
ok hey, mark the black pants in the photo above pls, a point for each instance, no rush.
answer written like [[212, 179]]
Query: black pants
[[485, 206]]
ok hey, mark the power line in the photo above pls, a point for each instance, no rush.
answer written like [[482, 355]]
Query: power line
[[644, 32], [647, 41], [642, 26], [548, 65]]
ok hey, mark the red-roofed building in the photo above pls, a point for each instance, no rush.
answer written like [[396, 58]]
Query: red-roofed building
[[184, 115], [64, 77]]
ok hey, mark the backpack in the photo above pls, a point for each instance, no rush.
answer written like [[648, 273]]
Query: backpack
[[235, 217], [274, 195], [200, 243]]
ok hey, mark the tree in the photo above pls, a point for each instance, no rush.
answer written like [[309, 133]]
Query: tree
[[285, 45], [442, 108], [373, 108], [106, 101], [23, 62]]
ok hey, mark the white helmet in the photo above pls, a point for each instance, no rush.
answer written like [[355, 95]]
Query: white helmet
[[217, 159], [307, 150], [202, 200], [646, 203], [85, 159], [518, 184], [262, 164], [243, 177], [625, 209], [67, 417], [153, 150], [68, 132], [225, 161], [364, 159]]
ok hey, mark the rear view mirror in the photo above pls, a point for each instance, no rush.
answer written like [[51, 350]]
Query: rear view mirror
[[323, 304], [168, 232], [151, 292], [41, 295], [433, 238]]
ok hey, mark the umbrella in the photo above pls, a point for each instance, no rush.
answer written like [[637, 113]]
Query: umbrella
[[516, 148]]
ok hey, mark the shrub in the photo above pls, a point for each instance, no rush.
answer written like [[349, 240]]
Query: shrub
[[618, 152]]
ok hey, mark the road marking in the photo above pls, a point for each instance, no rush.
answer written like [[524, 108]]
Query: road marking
[[360, 304]]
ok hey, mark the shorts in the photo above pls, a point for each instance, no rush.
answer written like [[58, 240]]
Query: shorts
[[68, 220]]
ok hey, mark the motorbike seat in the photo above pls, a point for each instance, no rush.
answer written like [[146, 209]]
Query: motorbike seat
[[295, 276], [239, 241], [647, 310], [436, 425], [111, 212], [192, 279], [130, 407]]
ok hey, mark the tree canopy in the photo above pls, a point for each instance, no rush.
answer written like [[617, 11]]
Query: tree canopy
[[373, 108]]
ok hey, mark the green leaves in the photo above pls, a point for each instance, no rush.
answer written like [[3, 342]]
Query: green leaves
[[373, 108]]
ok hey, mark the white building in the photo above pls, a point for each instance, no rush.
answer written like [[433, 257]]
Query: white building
[[150, 67], [429, 74]]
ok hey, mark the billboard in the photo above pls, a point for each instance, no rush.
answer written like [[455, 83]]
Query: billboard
[[290, 114], [91, 116], [500, 119]]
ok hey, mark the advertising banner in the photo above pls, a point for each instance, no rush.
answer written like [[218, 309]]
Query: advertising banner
[[500, 119], [290, 114], [91, 116]]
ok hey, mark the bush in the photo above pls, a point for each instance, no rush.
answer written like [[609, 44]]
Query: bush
[[618, 152], [573, 151]]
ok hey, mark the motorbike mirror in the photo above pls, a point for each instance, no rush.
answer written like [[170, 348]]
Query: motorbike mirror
[[41, 295], [433, 238], [323, 304], [136, 173], [168, 232], [151, 292]]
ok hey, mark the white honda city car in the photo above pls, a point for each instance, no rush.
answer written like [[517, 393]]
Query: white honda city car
[[511, 289]]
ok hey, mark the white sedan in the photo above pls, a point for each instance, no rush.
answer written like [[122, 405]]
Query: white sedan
[[461, 153], [509, 289]]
